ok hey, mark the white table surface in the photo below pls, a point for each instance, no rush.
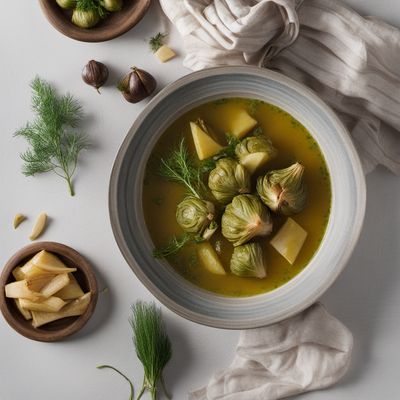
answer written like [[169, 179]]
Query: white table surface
[[366, 296]]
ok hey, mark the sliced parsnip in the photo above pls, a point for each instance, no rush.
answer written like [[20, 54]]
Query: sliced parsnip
[[254, 161], [49, 262], [18, 219], [71, 291], [74, 308], [240, 124], [18, 274], [205, 145], [30, 270], [37, 283], [209, 258], [25, 313], [54, 285], [20, 290], [52, 304], [164, 53], [39, 226], [289, 240]]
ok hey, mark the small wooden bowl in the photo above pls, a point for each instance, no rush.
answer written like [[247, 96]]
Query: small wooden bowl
[[114, 25], [56, 330]]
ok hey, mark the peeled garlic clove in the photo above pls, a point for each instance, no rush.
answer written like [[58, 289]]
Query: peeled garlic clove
[[18, 219], [283, 190], [39, 226], [95, 74]]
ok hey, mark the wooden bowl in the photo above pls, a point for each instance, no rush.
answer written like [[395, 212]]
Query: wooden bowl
[[114, 25], [56, 330]]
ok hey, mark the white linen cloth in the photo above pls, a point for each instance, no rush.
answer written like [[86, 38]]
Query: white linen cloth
[[309, 351], [353, 63]]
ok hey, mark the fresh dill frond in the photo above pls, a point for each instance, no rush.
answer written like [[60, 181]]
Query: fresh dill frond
[[180, 167], [152, 344], [54, 143], [131, 397], [174, 245], [229, 151], [91, 5], [157, 41]]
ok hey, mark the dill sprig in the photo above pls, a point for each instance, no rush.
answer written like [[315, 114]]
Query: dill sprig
[[174, 245], [180, 167], [54, 143], [91, 5], [229, 151], [157, 41], [152, 344]]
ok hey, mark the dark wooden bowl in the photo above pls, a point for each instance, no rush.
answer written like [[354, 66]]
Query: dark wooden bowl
[[56, 330], [115, 24]]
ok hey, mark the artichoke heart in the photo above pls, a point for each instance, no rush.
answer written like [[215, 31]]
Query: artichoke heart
[[283, 190], [228, 179], [245, 218], [255, 151], [248, 260], [195, 215], [85, 18]]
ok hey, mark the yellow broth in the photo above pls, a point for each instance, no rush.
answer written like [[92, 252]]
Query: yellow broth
[[294, 143]]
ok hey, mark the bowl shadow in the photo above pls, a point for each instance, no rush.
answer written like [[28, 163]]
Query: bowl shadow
[[364, 288]]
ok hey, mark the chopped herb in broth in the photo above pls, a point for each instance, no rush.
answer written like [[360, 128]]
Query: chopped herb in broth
[[199, 251]]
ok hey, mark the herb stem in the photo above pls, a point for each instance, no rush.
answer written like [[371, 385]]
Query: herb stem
[[164, 388], [142, 390], [124, 376], [70, 186]]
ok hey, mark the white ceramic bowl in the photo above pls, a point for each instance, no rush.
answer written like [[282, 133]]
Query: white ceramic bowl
[[347, 211]]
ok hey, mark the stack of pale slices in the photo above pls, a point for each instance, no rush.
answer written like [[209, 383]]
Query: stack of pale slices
[[46, 290]]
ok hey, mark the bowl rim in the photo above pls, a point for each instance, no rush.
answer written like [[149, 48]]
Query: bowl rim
[[357, 170], [93, 35], [81, 263]]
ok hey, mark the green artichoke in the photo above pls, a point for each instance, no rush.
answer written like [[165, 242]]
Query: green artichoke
[[245, 218], [66, 4], [112, 5], [248, 260], [195, 215], [255, 144], [228, 179], [85, 19], [283, 190]]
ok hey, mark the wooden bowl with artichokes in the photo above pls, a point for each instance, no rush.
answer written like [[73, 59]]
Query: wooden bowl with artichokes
[[94, 20]]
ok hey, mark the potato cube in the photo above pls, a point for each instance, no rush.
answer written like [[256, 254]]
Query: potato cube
[[164, 53], [240, 124], [289, 240], [205, 145], [209, 258]]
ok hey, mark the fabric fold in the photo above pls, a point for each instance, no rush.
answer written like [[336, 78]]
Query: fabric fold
[[309, 351], [351, 62]]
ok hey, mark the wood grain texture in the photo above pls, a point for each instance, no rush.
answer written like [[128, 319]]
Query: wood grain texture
[[60, 329], [114, 25]]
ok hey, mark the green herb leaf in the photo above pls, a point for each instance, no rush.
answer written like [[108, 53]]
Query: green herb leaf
[[228, 151], [152, 345], [54, 145], [180, 167], [91, 5], [157, 41], [174, 246]]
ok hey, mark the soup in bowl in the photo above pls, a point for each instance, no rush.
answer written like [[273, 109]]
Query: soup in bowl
[[237, 197]]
